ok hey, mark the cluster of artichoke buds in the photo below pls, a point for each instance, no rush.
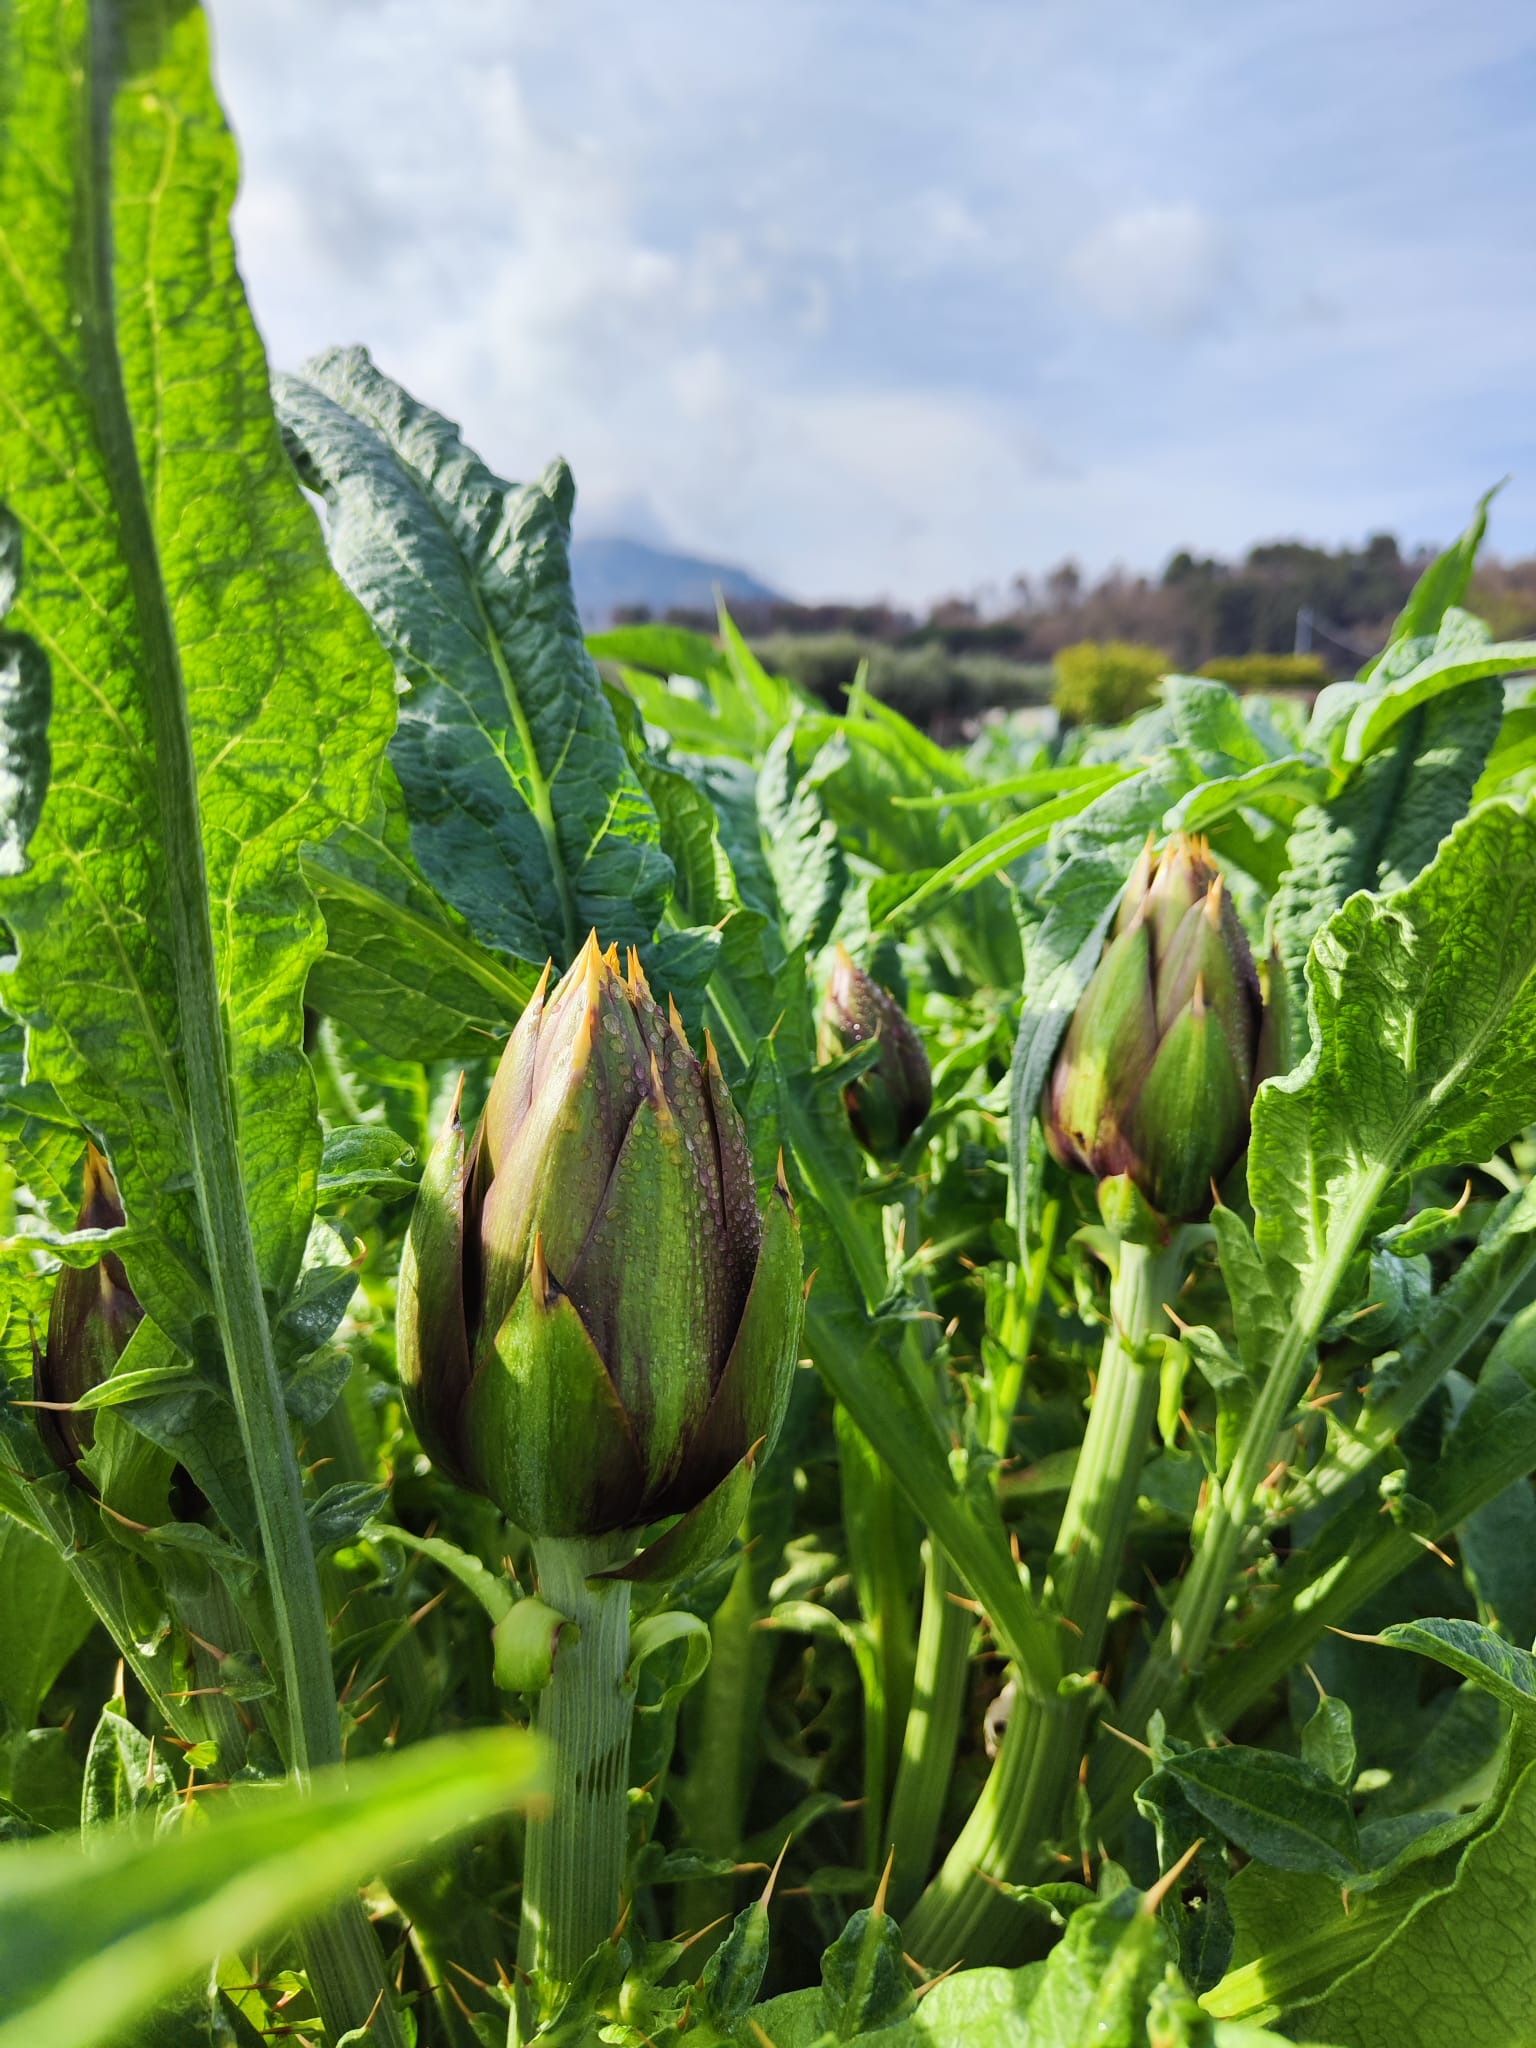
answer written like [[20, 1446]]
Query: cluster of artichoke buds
[[597, 1324], [888, 1101], [93, 1313], [1157, 1073]]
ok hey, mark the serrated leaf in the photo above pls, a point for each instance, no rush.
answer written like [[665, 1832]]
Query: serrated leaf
[[1424, 1028], [124, 1775], [1476, 1653], [734, 1973], [401, 968], [865, 1984], [1381, 829], [342, 1512], [166, 538], [525, 813], [1272, 1807]]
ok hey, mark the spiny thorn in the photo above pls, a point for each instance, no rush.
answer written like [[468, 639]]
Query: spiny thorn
[[885, 1882], [923, 1990], [1165, 1884], [773, 1875], [708, 1928]]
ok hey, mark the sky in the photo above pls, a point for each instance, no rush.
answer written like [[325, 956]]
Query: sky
[[903, 297]]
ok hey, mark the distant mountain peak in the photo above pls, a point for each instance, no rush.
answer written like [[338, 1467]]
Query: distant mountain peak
[[612, 574]]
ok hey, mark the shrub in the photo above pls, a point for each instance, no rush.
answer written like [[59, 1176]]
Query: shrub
[[1102, 682], [1269, 671]]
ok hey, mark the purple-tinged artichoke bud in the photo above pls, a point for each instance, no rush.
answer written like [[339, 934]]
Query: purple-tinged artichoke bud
[[1156, 1076], [597, 1324], [888, 1101], [93, 1313]]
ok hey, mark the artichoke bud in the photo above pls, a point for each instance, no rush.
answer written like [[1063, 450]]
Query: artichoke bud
[[93, 1313], [1156, 1075], [596, 1321], [888, 1101]]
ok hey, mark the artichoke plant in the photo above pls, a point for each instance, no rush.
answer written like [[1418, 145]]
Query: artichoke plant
[[888, 1101], [1157, 1073], [597, 1323]]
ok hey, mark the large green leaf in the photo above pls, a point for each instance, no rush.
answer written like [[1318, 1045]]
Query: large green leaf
[[87, 1942], [1461, 1962], [165, 535], [525, 812], [400, 967], [46, 1621], [1424, 1025]]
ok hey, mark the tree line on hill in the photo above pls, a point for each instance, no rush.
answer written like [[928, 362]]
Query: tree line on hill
[[1288, 615]]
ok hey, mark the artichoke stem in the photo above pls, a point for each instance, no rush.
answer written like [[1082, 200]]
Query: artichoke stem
[[573, 1868], [1023, 1805]]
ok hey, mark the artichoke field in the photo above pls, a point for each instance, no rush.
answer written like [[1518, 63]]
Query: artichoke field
[[676, 1364]]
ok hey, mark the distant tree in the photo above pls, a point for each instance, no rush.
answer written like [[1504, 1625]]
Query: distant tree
[[1103, 682]]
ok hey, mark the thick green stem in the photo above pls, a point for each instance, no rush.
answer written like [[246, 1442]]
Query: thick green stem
[[940, 1681], [1022, 1803], [573, 1870], [881, 1534], [1163, 1682], [714, 1795]]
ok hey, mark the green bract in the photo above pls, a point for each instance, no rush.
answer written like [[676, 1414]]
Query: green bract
[[597, 1324], [1162, 1056], [888, 1101]]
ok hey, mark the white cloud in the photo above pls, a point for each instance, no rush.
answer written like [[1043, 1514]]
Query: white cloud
[[893, 297], [1163, 270]]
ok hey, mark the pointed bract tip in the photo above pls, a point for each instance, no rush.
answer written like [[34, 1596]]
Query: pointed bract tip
[[98, 1183], [454, 1120], [1197, 999], [885, 1882], [712, 1059], [781, 1184], [635, 974], [1213, 897], [773, 1875], [541, 986], [674, 1019]]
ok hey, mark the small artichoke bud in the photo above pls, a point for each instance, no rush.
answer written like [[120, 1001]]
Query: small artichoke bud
[[596, 1322], [93, 1313], [888, 1101], [1156, 1076]]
